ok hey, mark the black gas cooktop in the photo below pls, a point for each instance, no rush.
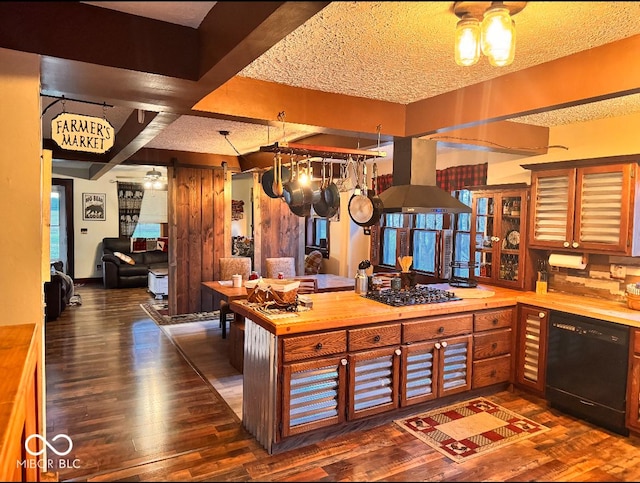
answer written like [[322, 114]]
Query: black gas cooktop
[[418, 295]]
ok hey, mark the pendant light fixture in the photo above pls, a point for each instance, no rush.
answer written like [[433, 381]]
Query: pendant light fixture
[[152, 179], [495, 37]]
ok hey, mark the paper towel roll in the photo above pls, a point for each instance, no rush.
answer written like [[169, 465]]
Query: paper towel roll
[[568, 260]]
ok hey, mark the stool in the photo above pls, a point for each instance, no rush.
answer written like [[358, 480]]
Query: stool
[[236, 343], [225, 310]]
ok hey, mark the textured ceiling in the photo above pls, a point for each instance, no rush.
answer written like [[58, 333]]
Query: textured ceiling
[[395, 51], [403, 51]]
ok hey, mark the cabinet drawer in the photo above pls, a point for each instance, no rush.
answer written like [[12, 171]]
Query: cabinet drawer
[[436, 327], [491, 371], [372, 337], [491, 344], [315, 345], [492, 319]]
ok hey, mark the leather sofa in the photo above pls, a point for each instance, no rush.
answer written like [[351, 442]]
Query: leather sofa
[[57, 292], [117, 273]]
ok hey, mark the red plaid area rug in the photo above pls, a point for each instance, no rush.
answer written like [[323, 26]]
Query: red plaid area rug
[[470, 428]]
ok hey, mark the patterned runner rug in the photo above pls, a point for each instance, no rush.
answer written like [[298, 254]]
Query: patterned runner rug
[[470, 428], [159, 313]]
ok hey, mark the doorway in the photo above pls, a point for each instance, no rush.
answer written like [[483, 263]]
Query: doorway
[[61, 244]]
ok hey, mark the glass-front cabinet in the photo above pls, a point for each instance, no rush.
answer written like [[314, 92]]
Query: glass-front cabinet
[[498, 234]]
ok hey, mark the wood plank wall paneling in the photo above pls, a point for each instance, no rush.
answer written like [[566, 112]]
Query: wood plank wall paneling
[[197, 234], [281, 230], [208, 239], [200, 233]]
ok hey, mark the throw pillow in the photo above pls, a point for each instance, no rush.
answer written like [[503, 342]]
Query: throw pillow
[[125, 258], [138, 245], [312, 262]]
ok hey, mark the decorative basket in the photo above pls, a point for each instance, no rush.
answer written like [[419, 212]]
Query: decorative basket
[[633, 301], [265, 292]]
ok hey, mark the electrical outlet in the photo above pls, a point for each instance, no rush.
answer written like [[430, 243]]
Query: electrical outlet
[[618, 271], [98, 267]]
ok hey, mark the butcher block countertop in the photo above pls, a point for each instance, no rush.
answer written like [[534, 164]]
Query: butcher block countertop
[[336, 310], [608, 310]]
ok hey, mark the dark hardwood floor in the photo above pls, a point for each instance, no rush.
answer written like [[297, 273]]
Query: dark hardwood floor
[[137, 411]]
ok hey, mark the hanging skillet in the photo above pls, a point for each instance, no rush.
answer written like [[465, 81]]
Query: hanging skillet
[[364, 207], [320, 207], [268, 177]]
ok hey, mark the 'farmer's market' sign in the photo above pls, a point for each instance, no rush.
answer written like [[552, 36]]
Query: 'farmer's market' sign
[[76, 132]]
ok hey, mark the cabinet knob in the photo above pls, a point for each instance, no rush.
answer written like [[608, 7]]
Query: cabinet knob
[[566, 244], [319, 346], [493, 373], [495, 321], [343, 362], [440, 330], [437, 345], [541, 315], [376, 338], [494, 346], [575, 244], [398, 352], [444, 344]]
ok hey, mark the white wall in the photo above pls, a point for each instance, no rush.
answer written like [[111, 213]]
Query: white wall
[[88, 246]]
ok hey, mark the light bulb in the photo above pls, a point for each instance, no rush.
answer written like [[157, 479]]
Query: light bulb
[[467, 46], [498, 36], [147, 184], [157, 185]]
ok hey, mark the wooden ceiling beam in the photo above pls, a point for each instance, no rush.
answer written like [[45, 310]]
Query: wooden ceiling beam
[[234, 34], [600, 73], [132, 136], [256, 99], [100, 36], [500, 137]]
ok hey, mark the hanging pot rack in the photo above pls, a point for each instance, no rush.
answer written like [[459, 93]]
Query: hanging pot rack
[[324, 152]]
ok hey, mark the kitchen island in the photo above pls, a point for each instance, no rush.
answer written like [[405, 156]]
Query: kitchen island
[[350, 359]]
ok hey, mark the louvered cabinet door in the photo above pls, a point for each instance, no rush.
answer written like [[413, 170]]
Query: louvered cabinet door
[[553, 202], [313, 395], [373, 382], [454, 365], [532, 348], [418, 370], [604, 198]]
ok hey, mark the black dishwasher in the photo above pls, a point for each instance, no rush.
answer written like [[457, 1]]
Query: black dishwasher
[[587, 369]]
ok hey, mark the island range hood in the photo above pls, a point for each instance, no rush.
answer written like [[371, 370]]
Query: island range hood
[[414, 187]]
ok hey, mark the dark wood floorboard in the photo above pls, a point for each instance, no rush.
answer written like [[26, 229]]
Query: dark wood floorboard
[[137, 411]]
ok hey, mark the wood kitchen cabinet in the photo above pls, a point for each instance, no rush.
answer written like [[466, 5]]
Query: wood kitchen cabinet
[[313, 382], [436, 358], [374, 370], [585, 208], [498, 234], [633, 383], [531, 353], [492, 347]]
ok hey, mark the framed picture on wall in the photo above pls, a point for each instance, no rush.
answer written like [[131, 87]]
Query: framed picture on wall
[[94, 206]]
